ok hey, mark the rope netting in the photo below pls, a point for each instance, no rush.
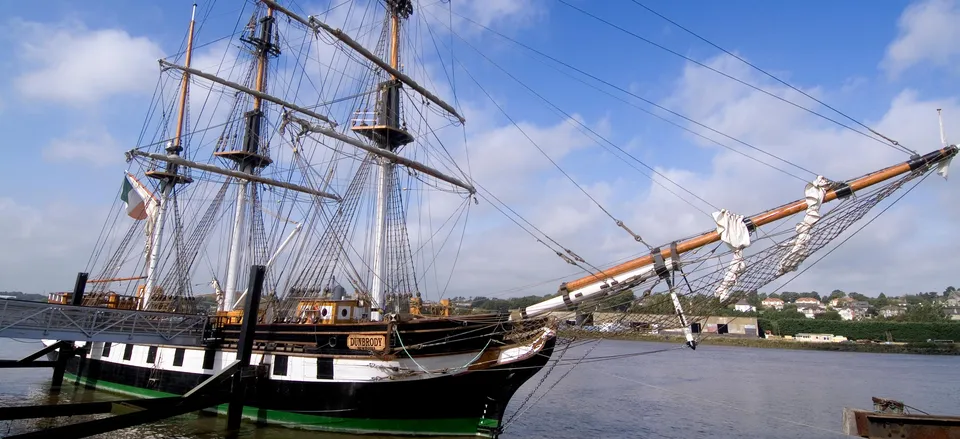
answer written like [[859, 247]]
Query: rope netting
[[702, 272]]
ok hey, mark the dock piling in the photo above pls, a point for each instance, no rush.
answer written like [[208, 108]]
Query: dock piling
[[245, 345], [211, 392], [78, 289]]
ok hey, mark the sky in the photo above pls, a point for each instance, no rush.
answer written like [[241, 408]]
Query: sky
[[76, 82]]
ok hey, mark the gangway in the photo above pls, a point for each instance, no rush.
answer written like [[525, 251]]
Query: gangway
[[36, 320]]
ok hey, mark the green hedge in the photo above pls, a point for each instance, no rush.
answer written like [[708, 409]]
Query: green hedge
[[864, 330]]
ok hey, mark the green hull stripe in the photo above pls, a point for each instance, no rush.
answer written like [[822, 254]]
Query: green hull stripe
[[460, 426]]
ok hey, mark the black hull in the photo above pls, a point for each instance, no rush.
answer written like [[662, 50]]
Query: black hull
[[467, 403]]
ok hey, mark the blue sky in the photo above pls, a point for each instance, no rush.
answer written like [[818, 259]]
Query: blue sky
[[67, 119]]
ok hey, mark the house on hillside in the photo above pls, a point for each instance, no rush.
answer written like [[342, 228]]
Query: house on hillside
[[892, 311], [810, 310], [953, 299], [807, 301], [854, 310], [840, 302], [744, 306], [772, 302], [952, 312]]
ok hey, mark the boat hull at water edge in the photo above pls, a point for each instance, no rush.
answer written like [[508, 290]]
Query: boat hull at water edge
[[468, 403]]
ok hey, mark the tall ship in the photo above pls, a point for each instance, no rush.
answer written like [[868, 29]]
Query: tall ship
[[323, 160]]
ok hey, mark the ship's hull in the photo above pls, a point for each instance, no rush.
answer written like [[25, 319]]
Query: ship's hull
[[440, 394]]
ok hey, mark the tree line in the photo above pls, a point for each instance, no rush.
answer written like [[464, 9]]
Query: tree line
[[920, 307]]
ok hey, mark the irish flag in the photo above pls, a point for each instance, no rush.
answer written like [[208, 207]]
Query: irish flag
[[136, 196]]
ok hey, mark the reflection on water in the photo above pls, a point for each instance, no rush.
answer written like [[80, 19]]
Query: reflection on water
[[715, 391]]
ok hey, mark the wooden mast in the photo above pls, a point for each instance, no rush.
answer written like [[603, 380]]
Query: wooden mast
[[251, 153], [169, 176], [384, 129], [261, 69], [771, 215], [395, 40], [177, 141]]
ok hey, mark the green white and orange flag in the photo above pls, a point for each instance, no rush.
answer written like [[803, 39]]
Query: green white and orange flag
[[140, 202]]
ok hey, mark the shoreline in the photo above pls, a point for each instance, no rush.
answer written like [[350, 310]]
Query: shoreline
[[763, 343]]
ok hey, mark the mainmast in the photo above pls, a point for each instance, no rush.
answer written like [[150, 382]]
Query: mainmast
[[383, 128], [168, 177], [249, 156]]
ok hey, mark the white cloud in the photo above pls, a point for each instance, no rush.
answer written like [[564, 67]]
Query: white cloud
[[47, 244], [744, 186], [69, 63], [497, 255], [503, 257], [93, 145], [492, 13], [927, 34]]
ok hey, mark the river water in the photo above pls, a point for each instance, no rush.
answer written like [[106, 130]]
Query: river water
[[715, 391]]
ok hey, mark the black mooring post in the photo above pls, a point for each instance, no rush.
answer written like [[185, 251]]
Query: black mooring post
[[78, 289], [82, 353], [66, 349], [63, 354], [245, 345]]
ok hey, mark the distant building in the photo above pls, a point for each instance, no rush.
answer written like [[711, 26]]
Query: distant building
[[952, 312], [744, 306], [847, 314], [820, 338], [854, 310], [840, 302], [892, 311], [807, 301], [772, 302], [810, 310], [953, 299]]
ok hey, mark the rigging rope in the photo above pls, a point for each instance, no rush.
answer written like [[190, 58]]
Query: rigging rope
[[892, 143], [654, 104], [574, 120]]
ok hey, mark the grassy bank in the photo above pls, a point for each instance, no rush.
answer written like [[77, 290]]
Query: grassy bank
[[750, 342]]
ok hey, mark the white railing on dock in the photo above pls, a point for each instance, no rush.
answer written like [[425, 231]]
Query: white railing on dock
[[37, 320]]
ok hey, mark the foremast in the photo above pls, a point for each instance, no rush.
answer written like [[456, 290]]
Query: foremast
[[169, 177]]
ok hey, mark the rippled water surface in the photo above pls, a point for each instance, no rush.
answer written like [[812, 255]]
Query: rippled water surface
[[715, 392]]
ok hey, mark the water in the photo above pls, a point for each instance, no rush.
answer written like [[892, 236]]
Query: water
[[716, 391]]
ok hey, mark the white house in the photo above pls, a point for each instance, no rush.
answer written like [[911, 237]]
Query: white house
[[953, 299], [810, 311], [744, 306], [892, 311], [840, 302], [807, 301], [772, 302], [847, 313]]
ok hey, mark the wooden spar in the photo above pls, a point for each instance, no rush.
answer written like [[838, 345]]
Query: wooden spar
[[115, 279], [391, 156], [261, 70], [395, 43], [317, 25], [247, 90], [771, 215], [177, 141], [177, 160]]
